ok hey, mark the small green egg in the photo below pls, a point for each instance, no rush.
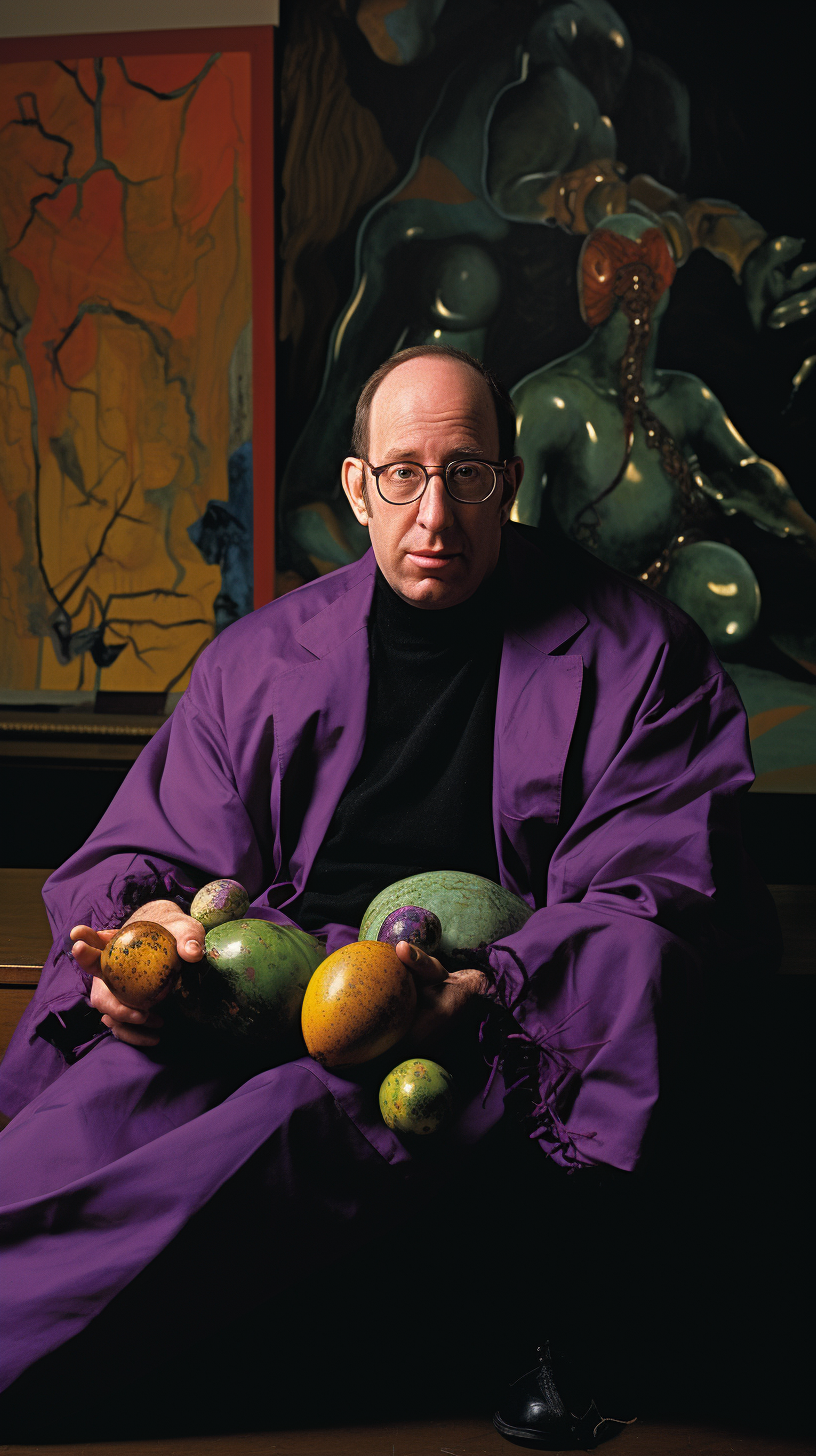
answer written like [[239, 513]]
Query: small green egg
[[417, 1097]]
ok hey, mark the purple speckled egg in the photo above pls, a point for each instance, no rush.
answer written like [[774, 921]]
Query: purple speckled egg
[[419, 927], [218, 902]]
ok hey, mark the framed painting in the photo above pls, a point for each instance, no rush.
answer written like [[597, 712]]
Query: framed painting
[[136, 356]]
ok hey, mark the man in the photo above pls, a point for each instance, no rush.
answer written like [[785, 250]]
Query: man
[[456, 699]]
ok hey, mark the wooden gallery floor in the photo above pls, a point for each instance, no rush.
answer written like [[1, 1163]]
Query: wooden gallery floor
[[465, 1437], [24, 941]]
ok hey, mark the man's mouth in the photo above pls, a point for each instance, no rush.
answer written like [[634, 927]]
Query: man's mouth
[[433, 560]]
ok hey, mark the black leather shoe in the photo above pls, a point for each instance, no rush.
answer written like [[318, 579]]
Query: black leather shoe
[[545, 1409]]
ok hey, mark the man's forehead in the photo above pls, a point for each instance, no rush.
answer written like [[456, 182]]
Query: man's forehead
[[427, 393]]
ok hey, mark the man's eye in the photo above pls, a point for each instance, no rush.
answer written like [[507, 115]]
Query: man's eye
[[464, 472]]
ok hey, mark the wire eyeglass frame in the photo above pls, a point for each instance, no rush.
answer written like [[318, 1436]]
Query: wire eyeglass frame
[[498, 468]]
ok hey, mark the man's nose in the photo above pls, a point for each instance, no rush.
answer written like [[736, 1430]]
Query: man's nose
[[435, 512]]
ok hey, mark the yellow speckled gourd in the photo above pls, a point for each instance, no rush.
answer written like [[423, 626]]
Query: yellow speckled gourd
[[359, 1002]]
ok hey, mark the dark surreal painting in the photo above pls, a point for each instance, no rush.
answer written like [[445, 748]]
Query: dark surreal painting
[[484, 175], [126, 359]]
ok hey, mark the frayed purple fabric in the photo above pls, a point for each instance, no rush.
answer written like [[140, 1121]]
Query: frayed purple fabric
[[541, 1066], [620, 755]]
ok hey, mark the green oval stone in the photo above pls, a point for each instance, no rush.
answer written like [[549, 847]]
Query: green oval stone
[[252, 979], [473, 911]]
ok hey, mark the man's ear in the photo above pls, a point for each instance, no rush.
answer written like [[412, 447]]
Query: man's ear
[[353, 478], [513, 476]]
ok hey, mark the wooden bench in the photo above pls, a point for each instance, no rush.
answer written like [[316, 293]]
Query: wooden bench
[[25, 940]]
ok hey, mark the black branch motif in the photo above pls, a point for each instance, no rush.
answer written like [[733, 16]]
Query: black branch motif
[[75, 78], [189, 663], [169, 95], [70, 644], [101, 163], [106, 632], [18, 330], [161, 342]]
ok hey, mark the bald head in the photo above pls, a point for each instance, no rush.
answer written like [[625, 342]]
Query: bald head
[[429, 393], [501, 401]]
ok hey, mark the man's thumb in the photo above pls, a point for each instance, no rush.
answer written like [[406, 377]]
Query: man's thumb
[[189, 937], [421, 965]]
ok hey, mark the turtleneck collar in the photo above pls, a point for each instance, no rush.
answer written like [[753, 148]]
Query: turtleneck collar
[[443, 627]]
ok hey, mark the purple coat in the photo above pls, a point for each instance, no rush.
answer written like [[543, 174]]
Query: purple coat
[[620, 755]]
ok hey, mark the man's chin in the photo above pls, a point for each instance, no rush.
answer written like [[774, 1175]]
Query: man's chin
[[432, 592]]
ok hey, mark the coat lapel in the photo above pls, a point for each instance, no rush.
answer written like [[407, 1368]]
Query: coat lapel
[[536, 711], [320, 716]]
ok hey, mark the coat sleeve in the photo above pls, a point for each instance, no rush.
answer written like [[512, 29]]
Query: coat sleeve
[[178, 821], [649, 897]]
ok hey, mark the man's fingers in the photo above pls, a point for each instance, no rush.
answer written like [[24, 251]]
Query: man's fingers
[[424, 967], [103, 999], [87, 956], [97, 939], [88, 945], [129, 1034], [136, 1028], [474, 982]]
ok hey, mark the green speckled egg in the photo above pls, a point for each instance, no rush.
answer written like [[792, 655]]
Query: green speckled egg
[[473, 911], [417, 1097], [218, 902], [251, 981]]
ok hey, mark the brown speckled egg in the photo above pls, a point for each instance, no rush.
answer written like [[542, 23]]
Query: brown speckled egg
[[359, 1002], [141, 964]]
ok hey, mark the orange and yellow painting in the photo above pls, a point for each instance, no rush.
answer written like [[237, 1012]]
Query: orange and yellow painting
[[125, 375]]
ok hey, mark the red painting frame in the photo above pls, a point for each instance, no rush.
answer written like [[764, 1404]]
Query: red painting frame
[[258, 42]]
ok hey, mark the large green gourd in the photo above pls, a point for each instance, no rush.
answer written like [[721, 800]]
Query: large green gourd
[[252, 979], [473, 911]]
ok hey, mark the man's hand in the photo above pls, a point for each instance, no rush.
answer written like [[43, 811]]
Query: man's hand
[[137, 1028], [440, 994]]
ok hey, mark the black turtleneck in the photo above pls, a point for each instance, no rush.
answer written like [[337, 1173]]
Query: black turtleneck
[[420, 797]]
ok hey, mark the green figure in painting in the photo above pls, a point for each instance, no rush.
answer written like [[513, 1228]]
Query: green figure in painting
[[641, 465], [521, 146]]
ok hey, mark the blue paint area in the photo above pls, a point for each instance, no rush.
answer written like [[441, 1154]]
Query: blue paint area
[[223, 535], [411, 28]]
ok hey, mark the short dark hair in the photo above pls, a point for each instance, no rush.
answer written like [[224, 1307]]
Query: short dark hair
[[505, 413]]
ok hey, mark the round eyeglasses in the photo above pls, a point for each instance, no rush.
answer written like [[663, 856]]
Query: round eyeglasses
[[469, 481]]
